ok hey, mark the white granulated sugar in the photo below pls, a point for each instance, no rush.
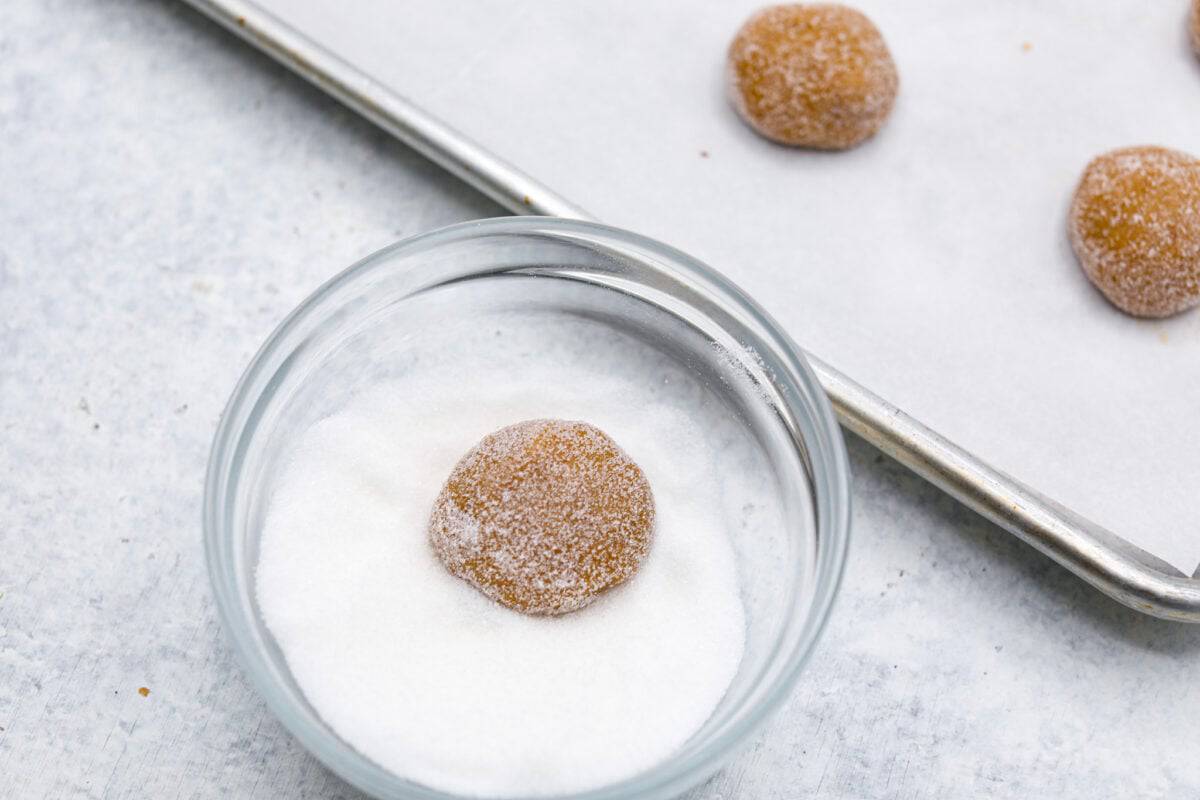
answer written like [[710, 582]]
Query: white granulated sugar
[[419, 671], [931, 263]]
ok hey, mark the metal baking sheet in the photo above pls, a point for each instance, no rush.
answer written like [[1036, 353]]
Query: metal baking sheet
[[1095, 554]]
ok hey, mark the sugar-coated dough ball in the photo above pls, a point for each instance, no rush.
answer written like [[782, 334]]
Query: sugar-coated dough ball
[[1135, 227], [543, 516], [815, 75], [1194, 20]]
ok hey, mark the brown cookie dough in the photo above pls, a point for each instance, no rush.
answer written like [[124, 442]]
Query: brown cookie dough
[[543, 516], [1135, 227], [816, 75], [1194, 24]]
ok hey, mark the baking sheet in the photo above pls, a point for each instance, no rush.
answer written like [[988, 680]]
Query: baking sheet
[[930, 264]]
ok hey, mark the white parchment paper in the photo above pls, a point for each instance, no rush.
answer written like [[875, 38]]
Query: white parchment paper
[[930, 264]]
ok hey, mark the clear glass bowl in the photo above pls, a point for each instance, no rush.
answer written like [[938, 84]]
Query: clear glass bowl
[[371, 315]]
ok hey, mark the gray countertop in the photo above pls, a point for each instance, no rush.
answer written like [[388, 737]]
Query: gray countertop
[[167, 197]]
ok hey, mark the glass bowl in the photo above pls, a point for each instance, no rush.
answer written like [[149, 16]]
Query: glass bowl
[[372, 317]]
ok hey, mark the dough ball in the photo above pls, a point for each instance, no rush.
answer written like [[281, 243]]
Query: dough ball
[[815, 75], [543, 516], [1194, 21], [1135, 227]]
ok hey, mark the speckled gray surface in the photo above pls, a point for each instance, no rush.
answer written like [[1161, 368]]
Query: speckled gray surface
[[167, 196]]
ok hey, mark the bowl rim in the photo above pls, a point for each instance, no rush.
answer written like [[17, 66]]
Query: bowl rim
[[829, 476]]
